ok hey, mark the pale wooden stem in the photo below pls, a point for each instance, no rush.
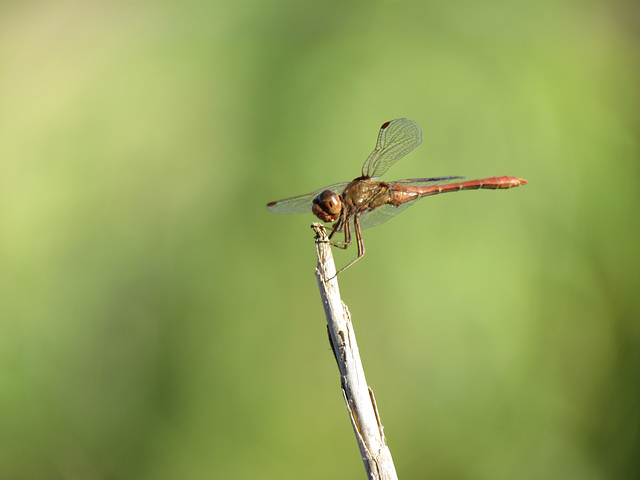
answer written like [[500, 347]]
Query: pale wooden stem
[[358, 396]]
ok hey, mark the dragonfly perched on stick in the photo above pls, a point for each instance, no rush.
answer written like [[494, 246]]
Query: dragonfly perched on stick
[[366, 201]]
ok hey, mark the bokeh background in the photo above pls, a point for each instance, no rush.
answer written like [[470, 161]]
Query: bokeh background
[[157, 322]]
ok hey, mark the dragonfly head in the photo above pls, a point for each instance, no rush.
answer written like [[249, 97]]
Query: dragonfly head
[[327, 206]]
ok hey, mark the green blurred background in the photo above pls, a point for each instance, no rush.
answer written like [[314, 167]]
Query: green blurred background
[[157, 322]]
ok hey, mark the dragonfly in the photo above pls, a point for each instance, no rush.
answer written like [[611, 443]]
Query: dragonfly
[[366, 201]]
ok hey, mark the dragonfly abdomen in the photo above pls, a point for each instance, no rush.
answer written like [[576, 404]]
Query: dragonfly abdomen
[[401, 194]]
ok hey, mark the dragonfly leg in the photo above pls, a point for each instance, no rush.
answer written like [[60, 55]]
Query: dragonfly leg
[[359, 242], [339, 226], [335, 228]]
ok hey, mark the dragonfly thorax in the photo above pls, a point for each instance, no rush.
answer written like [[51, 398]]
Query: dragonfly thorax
[[364, 194]]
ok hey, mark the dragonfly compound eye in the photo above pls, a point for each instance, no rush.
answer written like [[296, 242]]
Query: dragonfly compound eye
[[326, 206]]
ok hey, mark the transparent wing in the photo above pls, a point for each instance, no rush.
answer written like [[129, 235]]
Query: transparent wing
[[396, 139], [302, 203], [423, 182], [385, 212], [382, 214]]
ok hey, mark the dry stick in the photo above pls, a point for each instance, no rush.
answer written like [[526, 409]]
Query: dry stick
[[359, 398]]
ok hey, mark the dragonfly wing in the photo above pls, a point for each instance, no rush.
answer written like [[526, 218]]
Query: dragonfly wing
[[387, 211], [396, 139], [382, 214], [423, 182], [302, 203]]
